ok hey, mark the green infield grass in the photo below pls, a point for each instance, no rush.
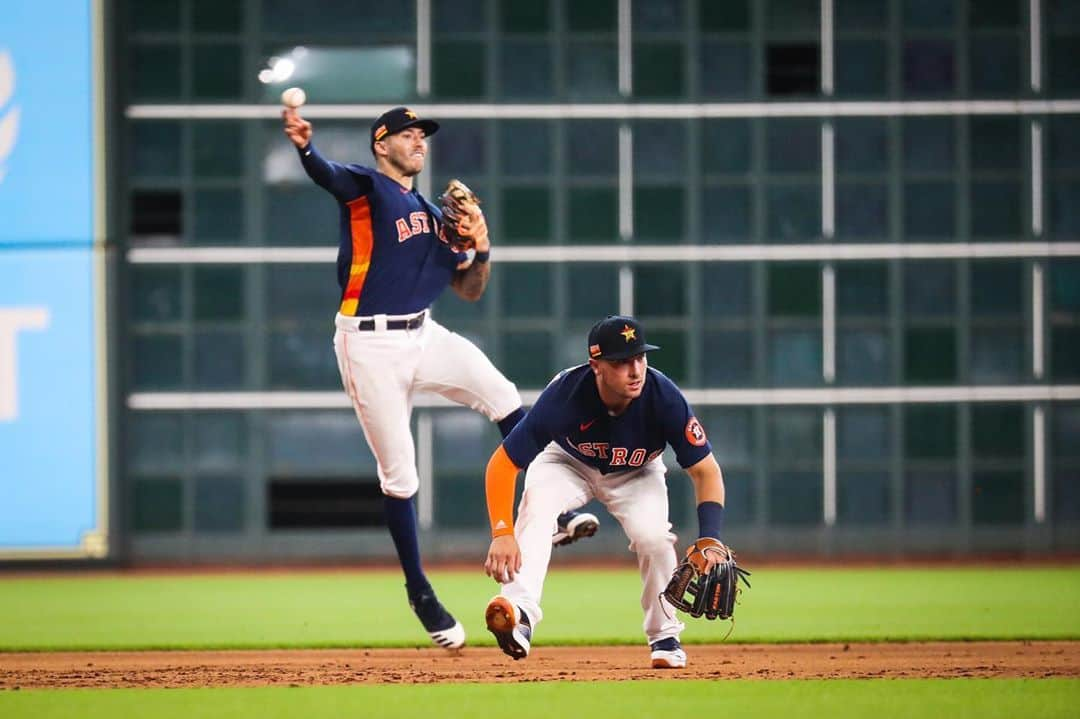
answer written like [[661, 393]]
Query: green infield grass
[[369, 609], [837, 699]]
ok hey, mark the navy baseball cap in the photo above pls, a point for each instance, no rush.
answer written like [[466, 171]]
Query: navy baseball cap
[[617, 337], [397, 119]]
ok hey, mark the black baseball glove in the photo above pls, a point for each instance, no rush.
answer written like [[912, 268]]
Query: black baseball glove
[[463, 220], [711, 594]]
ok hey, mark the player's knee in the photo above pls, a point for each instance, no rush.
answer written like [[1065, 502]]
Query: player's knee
[[399, 487], [645, 543]]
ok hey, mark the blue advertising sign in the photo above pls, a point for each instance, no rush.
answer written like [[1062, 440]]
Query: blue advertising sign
[[46, 122]]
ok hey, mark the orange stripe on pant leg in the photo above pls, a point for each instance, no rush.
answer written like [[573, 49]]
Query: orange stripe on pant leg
[[362, 242]]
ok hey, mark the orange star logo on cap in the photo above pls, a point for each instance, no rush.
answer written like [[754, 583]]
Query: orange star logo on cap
[[628, 333], [410, 114]]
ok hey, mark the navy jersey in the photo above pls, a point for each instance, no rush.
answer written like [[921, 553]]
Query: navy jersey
[[571, 413], [392, 255]]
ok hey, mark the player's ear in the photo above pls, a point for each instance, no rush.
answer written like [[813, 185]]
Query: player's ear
[[379, 148], [595, 366]]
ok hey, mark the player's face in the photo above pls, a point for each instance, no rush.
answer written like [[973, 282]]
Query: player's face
[[623, 378], [406, 151]]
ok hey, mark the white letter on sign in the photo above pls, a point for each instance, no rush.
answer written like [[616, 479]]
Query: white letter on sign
[[11, 321]]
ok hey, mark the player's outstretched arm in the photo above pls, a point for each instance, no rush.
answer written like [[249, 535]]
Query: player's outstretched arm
[[708, 484], [504, 556], [329, 175]]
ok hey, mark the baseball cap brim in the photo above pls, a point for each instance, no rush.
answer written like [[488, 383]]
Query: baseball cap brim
[[430, 127], [626, 354]]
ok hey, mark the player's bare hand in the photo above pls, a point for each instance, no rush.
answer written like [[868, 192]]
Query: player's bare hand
[[297, 129], [503, 559]]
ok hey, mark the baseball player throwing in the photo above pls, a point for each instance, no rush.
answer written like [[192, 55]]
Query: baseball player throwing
[[393, 262], [598, 431]]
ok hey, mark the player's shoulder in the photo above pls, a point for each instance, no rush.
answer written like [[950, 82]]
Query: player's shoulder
[[363, 170], [568, 378]]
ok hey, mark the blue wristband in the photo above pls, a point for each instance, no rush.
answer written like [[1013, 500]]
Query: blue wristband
[[710, 517], [483, 257]]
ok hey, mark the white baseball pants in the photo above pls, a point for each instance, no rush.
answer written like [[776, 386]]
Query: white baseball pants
[[381, 369], [556, 482]]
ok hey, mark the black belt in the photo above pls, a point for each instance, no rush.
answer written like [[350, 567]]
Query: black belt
[[369, 325]]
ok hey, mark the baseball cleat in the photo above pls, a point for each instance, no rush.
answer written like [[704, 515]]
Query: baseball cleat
[[668, 654], [443, 629], [510, 625], [573, 526]]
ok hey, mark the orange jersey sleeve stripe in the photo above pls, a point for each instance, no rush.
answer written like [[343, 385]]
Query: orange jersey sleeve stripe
[[362, 243], [500, 483]]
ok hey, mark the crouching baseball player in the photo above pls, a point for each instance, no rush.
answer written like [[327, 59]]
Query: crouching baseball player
[[598, 431]]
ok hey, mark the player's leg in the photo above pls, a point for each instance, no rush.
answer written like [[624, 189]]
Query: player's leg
[[639, 501], [552, 485], [375, 371]]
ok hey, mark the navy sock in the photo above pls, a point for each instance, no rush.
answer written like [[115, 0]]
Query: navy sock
[[401, 521], [508, 422]]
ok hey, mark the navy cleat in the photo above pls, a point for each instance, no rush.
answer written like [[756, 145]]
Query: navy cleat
[[510, 625], [574, 525], [441, 626], [668, 654]]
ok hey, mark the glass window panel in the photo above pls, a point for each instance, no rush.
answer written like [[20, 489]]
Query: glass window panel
[[930, 431], [998, 431], [930, 497], [528, 357], [155, 439], [155, 72], [727, 210], [863, 498], [659, 290], [727, 359], [928, 14], [156, 149], [994, 14], [219, 504], [793, 145], [459, 16], [524, 16], [158, 362], [161, 16], [862, 290], [594, 214], [930, 288], [726, 145], [795, 498], [220, 440], [307, 443], [996, 143], [862, 210], [930, 355], [592, 69], [929, 210], [1065, 285], [726, 288], [593, 147], [997, 355], [332, 17], [300, 216], [526, 290], [862, 144], [156, 294], [1064, 59], [794, 290], [792, 68], [783, 15], [997, 209], [659, 213], [861, 14], [1064, 150], [863, 357], [658, 16], [216, 71], [217, 16], [1062, 13], [928, 67], [1065, 431], [526, 214], [302, 359], [219, 216], [795, 433], [219, 359], [995, 63], [1065, 358], [863, 433], [156, 213], [997, 288], [461, 440], [795, 357], [1066, 495], [157, 505], [658, 70], [300, 292], [460, 148], [459, 68], [794, 212], [739, 498], [928, 144], [594, 291], [659, 147], [219, 292], [1065, 208], [861, 67], [732, 15], [596, 16], [218, 149], [672, 358], [726, 68], [997, 497], [525, 68]]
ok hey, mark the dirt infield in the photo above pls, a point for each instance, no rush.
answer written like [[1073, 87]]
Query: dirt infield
[[430, 666]]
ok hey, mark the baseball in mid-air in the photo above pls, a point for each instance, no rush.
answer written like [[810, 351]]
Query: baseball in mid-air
[[293, 97]]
